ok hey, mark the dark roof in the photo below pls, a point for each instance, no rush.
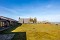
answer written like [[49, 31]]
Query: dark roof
[[6, 18]]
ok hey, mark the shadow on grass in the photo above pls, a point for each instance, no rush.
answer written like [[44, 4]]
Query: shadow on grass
[[10, 29], [18, 35]]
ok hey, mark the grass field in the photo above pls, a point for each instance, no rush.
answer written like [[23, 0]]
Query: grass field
[[40, 31]]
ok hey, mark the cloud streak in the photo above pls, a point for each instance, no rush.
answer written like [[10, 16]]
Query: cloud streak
[[10, 10]]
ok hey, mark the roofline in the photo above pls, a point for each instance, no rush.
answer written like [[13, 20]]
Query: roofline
[[6, 18]]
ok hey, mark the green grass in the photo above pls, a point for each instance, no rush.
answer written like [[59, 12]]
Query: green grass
[[40, 31], [36, 31]]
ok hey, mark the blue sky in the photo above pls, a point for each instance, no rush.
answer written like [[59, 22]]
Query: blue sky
[[42, 9]]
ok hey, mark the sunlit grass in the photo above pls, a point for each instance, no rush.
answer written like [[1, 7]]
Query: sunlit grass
[[40, 31]]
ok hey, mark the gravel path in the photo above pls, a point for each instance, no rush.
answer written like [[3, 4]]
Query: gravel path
[[6, 36]]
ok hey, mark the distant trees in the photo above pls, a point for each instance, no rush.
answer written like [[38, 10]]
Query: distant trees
[[33, 20]]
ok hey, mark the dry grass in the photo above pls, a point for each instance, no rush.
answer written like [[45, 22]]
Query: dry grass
[[40, 31]]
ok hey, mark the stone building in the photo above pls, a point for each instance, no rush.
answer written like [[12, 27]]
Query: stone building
[[26, 20], [4, 21]]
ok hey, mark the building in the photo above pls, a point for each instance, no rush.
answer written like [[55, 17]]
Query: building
[[4, 21], [26, 20]]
